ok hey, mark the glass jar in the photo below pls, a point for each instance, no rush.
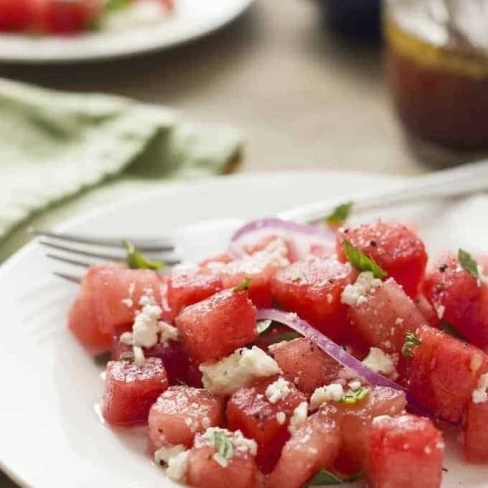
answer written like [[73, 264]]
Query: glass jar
[[437, 64]]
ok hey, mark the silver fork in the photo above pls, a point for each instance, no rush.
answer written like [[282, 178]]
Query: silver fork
[[197, 241]]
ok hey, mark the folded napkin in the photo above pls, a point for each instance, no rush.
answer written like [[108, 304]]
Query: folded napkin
[[55, 146]]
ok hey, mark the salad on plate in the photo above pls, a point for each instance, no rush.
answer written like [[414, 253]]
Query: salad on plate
[[71, 17], [303, 356]]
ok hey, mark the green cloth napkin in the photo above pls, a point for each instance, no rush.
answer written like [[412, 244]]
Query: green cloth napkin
[[55, 146]]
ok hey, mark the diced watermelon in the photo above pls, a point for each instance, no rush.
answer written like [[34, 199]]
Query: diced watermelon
[[385, 316], [117, 293], [180, 413], [444, 372], [217, 326], [304, 364], [130, 390], [459, 300], [275, 334], [179, 367], [404, 452], [355, 422], [259, 269], [476, 433], [312, 447], [249, 411], [82, 319], [393, 246], [428, 311], [189, 286], [313, 290], [15, 15], [204, 471]]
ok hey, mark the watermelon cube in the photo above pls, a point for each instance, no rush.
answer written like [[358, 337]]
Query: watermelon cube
[[314, 446], [476, 433], [304, 364], [444, 373], [180, 413], [117, 293], [428, 311], [250, 411], [130, 390], [355, 423], [217, 326], [459, 299], [207, 470], [313, 289], [393, 246], [186, 287], [404, 452], [384, 316]]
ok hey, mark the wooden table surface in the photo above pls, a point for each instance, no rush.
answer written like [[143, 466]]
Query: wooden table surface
[[304, 98]]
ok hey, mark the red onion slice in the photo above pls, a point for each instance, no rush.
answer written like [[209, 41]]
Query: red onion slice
[[328, 346], [283, 228]]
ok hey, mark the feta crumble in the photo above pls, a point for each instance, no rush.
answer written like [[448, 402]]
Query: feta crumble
[[281, 417], [164, 454], [333, 392], [355, 385], [354, 294], [139, 358], [168, 332], [381, 362], [298, 418], [178, 466], [440, 311], [277, 391], [127, 338], [237, 370], [480, 394]]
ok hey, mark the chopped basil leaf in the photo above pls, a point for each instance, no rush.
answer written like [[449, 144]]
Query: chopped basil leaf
[[340, 214], [354, 396], [411, 341], [468, 263], [362, 262], [263, 325], [223, 445], [103, 358], [287, 336], [449, 329], [135, 260], [325, 478], [115, 5], [244, 285]]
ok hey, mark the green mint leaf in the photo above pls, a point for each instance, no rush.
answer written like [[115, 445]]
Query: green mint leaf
[[468, 263], [223, 445], [135, 260], [362, 262], [354, 396], [411, 341], [115, 5], [449, 329], [287, 336], [103, 358], [326, 478], [340, 214], [263, 325], [244, 285]]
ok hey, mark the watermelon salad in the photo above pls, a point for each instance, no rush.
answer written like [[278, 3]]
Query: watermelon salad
[[70, 17], [303, 356]]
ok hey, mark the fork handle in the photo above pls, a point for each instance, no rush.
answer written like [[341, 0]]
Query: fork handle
[[462, 180]]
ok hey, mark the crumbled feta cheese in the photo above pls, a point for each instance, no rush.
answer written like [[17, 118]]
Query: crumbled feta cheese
[[440, 311], [298, 418], [163, 455], [380, 362], [440, 445], [277, 391], [354, 294], [427, 450], [476, 362], [355, 385], [139, 358], [168, 332], [237, 370], [146, 327], [281, 417], [128, 302], [178, 466], [380, 418], [206, 423], [480, 394], [398, 321], [127, 338], [329, 297], [333, 392]]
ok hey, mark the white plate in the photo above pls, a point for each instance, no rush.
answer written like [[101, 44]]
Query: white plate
[[190, 20], [50, 435]]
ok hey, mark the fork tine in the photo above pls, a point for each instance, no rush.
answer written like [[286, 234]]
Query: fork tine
[[67, 277], [144, 245], [79, 252], [74, 262]]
